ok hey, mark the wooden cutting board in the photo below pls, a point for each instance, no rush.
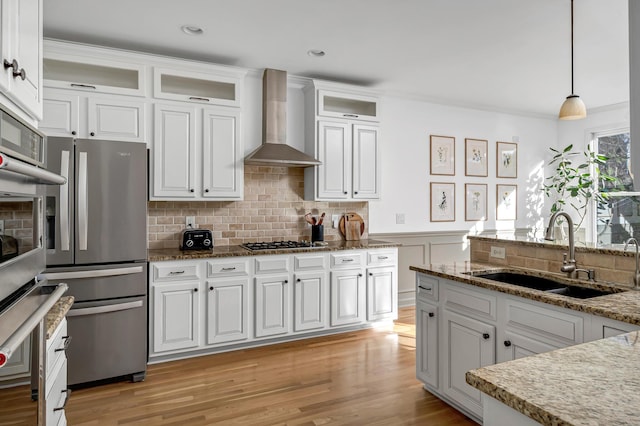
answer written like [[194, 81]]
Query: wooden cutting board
[[351, 226]]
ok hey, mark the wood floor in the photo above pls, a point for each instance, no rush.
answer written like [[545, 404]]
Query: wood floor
[[360, 378]]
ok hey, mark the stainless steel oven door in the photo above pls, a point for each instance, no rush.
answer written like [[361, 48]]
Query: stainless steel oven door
[[20, 140]]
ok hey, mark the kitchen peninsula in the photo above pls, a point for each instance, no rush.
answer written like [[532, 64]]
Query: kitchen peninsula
[[545, 371]]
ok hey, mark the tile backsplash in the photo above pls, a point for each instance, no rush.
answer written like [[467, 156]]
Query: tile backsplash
[[273, 209]]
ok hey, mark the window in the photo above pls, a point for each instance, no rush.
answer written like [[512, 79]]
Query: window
[[619, 219]]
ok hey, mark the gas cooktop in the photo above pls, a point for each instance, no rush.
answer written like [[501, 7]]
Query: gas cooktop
[[275, 245]]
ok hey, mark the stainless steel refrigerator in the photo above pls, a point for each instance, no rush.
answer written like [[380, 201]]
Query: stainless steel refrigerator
[[96, 229]]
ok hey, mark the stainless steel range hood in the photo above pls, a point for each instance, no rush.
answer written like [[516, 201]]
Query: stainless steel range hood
[[274, 150]]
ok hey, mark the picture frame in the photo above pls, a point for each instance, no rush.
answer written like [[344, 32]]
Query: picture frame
[[475, 155], [506, 160], [506, 202], [442, 155], [443, 202], [475, 202]]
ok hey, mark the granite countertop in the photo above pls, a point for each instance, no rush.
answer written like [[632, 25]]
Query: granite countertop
[[580, 246], [593, 383], [622, 305], [157, 255], [57, 313]]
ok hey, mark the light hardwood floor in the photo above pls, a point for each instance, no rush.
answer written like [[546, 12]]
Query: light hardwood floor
[[359, 378]]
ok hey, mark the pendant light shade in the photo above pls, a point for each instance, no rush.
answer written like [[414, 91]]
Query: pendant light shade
[[573, 108]]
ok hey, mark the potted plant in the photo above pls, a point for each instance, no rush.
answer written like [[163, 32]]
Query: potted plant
[[575, 179]]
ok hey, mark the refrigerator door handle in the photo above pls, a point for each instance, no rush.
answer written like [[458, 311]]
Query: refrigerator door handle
[[98, 273], [104, 309], [83, 202], [65, 234]]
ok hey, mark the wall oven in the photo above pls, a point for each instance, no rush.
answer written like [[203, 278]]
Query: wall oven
[[20, 141]]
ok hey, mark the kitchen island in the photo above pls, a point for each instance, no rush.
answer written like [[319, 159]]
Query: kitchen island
[[526, 348]]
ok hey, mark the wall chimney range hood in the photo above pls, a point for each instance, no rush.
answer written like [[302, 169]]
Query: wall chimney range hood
[[274, 150]]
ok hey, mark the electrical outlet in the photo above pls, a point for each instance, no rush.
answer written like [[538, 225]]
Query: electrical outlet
[[335, 220], [190, 221], [399, 218], [498, 252], [1, 226]]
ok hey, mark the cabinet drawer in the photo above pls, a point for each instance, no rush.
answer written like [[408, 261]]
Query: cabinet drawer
[[309, 263], [427, 287], [470, 302], [56, 395], [219, 269], [270, 265], [346, 260], [56, 345], [386, 257], [175, 271], [535, 320]]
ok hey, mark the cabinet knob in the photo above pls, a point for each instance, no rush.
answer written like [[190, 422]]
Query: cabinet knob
[[370, 274], [195, 290], [431, 314], [507, 343], [206, 190], [486, 336], [13, 64], [92, 133], [73, 132], [355, 192], [22, 74], [345, 192], [191, 190], [286, 281], [359, 275], [211, 288], [298, 280]]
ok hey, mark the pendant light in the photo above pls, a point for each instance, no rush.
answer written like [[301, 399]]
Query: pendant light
[[572, 108]]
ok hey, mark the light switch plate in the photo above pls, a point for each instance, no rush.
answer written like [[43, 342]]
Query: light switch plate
[[399, 218], [498, 252]]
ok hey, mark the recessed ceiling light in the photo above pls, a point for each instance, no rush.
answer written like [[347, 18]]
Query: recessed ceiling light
[[191, 30], [317, 53]]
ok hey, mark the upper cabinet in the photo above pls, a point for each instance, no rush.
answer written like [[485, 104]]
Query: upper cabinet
[[222, 88], [343, 133], [21, 48]]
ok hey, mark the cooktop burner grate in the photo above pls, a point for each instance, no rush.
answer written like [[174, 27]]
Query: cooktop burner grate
[[275, 245]]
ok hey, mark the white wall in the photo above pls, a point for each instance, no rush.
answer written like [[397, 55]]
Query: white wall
[[406, 127]]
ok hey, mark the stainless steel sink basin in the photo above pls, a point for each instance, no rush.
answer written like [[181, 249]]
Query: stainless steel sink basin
[[548, 285]]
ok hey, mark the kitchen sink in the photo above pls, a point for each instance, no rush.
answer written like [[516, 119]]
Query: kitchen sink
[[547, 285]]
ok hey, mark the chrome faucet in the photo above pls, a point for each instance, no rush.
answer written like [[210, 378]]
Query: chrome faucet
[[568, 265], [636, 276]]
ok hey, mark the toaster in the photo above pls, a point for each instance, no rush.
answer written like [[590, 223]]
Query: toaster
[[196, 239]]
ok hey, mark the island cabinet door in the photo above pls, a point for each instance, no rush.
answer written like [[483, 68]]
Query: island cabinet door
[[427, 343], [467, 344]]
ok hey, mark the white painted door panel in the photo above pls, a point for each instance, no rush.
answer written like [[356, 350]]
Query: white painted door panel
[[427, 343], [176, 321], [227, 314], [272, 305], [334, 146], [222, 156], [116, 119], [382, 293], [309, 301], [60, 114], [366, 180], [347, 297]]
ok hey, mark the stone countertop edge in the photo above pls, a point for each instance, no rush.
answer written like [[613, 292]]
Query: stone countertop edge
[[584, 384], [622, 306], [158, 255], [541, 243], [57, 313]]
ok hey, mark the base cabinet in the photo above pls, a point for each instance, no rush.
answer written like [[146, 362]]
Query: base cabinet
[[309, 301], [347, 297], [381, 293], [227, 310], [272, 305], [427, 317], [176, 310]]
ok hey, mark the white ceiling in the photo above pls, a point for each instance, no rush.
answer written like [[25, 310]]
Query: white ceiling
[[509, 55]]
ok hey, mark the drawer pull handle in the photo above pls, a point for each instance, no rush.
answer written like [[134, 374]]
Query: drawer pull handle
[[347, 260], [507, 343], [68, 392], [383, 257], [424, 288], [233, 268], [431, 315], [486, 336], [67, 341], [176, 272], [196, 98], [84, 86], [350, 115]]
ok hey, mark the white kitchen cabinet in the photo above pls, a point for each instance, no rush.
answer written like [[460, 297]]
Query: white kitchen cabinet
[[69, 113], [21, 48], [176, 315], [348, 297], [272, 295], [382, 293], [347, 147], [309, 301], [513, 345], [196, 153], [57, 394], [217, 86], [227, 310], [467, 344], [427, 316], [18, 366], [605, 327]]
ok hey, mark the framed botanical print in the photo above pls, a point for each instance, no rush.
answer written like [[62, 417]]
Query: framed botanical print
[[443, 202], [443, 155], [506, 160], [506, 202], [475, 154], [475, 201]]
